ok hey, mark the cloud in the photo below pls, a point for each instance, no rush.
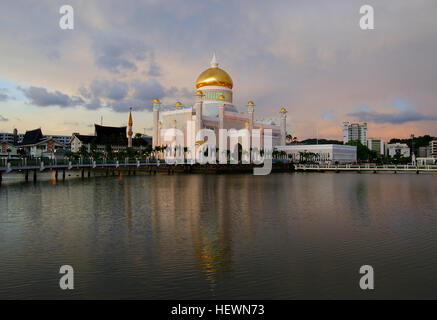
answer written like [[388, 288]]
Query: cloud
[[3, 95], [3, 119], [112, 94], [41, 97], [110, 89], [148, 90], [308, 55], [393, 118], [117, 53]]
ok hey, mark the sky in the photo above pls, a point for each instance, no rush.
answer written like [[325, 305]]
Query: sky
[[310, 57]]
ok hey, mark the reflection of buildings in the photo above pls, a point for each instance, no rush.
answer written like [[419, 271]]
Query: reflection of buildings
[[189, 215]]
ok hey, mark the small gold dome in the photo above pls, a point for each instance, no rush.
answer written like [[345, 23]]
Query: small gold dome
[[250, 103], [283, 110], [199, 93], [178, 104], [214, 77], [156, 101], [221, 97]]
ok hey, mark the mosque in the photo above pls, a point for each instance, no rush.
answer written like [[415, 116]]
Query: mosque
[[214, 110]]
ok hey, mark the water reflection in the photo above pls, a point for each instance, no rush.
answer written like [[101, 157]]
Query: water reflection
[[219, 236]]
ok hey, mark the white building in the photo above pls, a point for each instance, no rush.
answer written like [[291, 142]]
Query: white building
[[321, 153], [13, 138], [65, 140], [16, 138], [8, 150], [398, 149], [377, 145], [214, 109], [355, 132], [433, 148]]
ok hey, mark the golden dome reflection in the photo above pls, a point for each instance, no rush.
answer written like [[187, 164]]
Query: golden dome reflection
[[214, 77]]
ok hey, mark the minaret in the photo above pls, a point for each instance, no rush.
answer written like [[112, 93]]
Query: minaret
[[129, 130], [283, 113], [250, 110], [198, 107], [221, 112], [156, 105]]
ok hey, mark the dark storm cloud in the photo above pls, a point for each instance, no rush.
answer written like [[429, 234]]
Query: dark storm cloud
[[3, 119], [41, 97], [393, 118]]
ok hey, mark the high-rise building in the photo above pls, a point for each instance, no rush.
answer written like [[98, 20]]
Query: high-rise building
[[12, 138], [355, 132], [433, 148], [377, 145]]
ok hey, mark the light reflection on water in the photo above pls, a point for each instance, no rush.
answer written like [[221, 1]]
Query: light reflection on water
[[220, 236]]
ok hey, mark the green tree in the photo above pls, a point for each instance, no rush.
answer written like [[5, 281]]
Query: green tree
[[363, 153], [108, 151], [83, 151]]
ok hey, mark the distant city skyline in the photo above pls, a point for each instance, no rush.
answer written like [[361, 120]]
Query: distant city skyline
[[311, 58]]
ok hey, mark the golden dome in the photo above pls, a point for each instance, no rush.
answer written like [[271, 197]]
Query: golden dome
[[156, 101], [199, 93], [250, 103], [221, 97], [178, 103], [283, 110], [214, 77]]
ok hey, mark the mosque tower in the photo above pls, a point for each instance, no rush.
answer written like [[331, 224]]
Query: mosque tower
[[129, 130], [283, 127]]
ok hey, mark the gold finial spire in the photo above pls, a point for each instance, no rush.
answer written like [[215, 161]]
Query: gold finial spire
[[130, 123]]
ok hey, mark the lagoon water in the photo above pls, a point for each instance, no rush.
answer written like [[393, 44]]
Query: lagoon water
[[283, 236]]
